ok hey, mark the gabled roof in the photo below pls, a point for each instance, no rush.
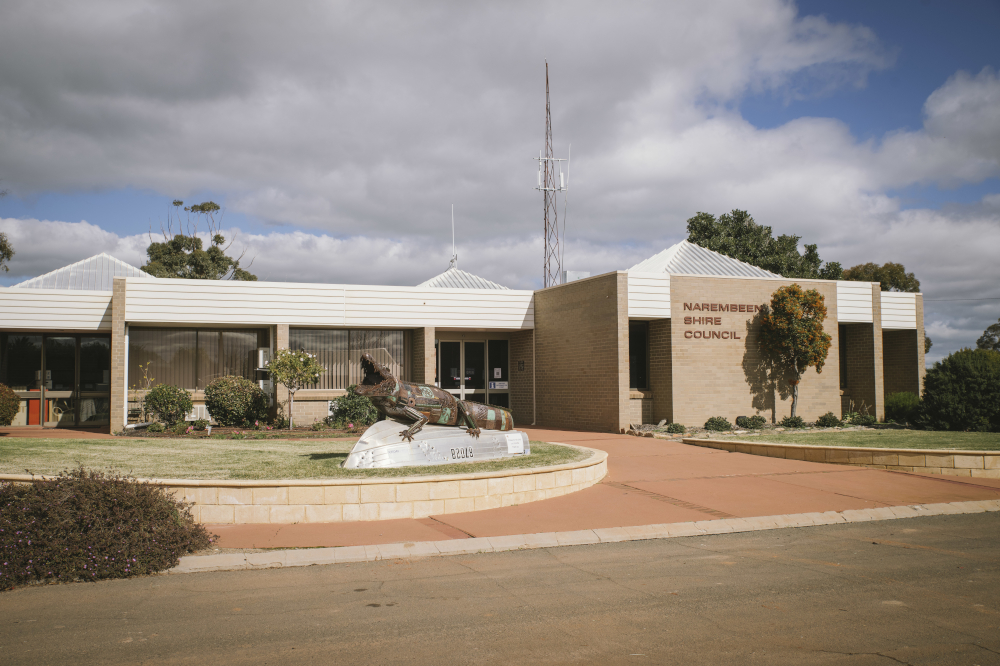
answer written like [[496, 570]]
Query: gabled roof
[[691, 259], [453, 278], [94, 274]]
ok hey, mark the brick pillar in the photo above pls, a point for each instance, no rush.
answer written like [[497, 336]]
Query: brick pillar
[[522, 377], [119, 369], [661, 380], [424, 356], [281, 342], [624, 376], [878, 351], [921, 361]]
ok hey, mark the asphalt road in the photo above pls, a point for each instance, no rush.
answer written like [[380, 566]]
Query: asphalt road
[[918, 591]]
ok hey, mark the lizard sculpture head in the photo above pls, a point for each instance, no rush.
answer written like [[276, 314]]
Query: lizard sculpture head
[[378, 379]]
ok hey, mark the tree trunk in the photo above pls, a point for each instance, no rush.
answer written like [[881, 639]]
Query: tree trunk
[[795, 395], [291, 408]]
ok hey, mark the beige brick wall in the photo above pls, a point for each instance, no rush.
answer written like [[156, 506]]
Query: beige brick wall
[[424, 358], [877, 335], [581, 351], [119, 388], [921, 361], [722, 377], [522, 377], [900, 361], [661, 381], [859, 377]]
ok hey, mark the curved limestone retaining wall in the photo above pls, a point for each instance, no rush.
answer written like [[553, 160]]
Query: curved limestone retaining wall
[[982, 464], [341, 500]]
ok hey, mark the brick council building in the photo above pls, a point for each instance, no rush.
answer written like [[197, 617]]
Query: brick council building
[[673, 338]]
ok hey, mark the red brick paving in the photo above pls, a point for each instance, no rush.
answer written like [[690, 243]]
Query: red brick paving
[[649, 481]]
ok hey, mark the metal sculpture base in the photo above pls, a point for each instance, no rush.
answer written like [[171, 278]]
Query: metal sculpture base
[[382, 446]]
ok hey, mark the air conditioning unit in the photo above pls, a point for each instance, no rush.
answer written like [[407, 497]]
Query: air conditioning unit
[[263, 357], [199, 412]]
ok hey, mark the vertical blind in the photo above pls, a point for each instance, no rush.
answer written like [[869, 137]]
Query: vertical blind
[[339, 351], [191, 358]]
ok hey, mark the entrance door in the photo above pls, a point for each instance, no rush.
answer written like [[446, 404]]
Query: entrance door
[[60, 381], [474, 370]]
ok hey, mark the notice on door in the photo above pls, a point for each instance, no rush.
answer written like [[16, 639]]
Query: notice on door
[[499, 386], [514, 443]]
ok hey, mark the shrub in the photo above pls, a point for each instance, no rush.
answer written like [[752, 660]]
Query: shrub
[[155, 427], [902, 407], [718, 423], [829, 420], [87, 525], [751, 422], [353, 408], [169, 404], [180, 428], [866, 420], [200, 424], [792, 422], [675, 428], [10, 403], [235, 401], [962, 392]]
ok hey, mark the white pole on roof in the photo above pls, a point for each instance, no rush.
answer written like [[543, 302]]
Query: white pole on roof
[[454, 254]]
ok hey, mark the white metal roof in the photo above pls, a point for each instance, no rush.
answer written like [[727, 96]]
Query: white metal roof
[[690, 259], [94, 274], [453, 278]]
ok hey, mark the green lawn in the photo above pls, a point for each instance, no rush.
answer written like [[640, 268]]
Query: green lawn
[[233, 459], [883, 439]]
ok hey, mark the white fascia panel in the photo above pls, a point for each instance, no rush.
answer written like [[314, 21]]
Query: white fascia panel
[[649, 296], [55, 309], [899, 310], [854, 302]]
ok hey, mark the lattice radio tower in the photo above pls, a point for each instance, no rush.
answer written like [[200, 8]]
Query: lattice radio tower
[[547, 166]]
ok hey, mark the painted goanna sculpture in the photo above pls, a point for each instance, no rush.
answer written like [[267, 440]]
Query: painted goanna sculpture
[[425, 404]]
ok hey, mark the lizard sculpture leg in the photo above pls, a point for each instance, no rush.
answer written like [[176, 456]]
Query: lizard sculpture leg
[[463, 414], [421, 420]]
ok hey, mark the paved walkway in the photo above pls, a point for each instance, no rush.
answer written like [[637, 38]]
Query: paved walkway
[[649, 482], [95, 432]]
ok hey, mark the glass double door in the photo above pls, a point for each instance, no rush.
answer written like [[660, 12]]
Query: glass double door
[[475, 370], [62, 380]]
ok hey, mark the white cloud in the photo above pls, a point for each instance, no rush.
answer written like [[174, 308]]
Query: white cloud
[[365, 121]]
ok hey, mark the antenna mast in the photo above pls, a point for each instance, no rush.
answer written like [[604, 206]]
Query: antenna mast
[[552, 267], [454, 254]]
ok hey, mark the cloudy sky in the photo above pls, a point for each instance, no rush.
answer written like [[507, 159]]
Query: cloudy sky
[[336, 135]]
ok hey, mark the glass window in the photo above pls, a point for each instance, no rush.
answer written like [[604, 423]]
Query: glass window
[[499, 351], [638, 354], [60, 364], [475, 366], [339, 351], [95, 364], [450, 360], [21, 361], [192, 358]]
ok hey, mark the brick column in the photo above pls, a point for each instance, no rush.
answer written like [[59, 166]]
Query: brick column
[[921, 361], [281, 342], [119, 371], [424, 355], [624, 375], [879, 360], [661, 380]]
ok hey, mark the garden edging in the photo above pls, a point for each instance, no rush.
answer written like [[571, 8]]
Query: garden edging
[[285, 501], [951, 462]]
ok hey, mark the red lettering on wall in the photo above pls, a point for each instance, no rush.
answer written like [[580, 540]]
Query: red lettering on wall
[[687, 334], [687, 306]]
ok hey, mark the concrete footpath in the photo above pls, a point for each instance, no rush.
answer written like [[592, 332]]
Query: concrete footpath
[[652, 484]]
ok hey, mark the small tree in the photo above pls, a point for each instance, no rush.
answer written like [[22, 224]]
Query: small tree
[[990, 339], [791, 333], [294, 370]]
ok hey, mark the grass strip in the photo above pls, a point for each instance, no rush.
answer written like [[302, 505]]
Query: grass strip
[[235, 459], [882, 439]]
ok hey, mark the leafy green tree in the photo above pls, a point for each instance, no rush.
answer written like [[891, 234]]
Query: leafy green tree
[[6, 249], [294, 369], [737, 235], [792, 336], [183, 255], [962, 392], [928, 343], [893, 277], [990, 339]]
